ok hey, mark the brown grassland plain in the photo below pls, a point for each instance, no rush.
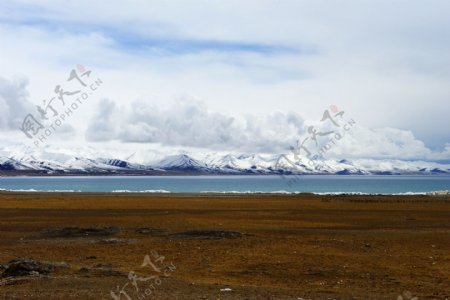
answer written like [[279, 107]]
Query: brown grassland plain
[[242, 247]]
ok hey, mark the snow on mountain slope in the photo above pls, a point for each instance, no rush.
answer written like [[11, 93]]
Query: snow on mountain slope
[[401, 167], [86, 160], [255, 163], [7, 164], [288, 163], [181, 162]]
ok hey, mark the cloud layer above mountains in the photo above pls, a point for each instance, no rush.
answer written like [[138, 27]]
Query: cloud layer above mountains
[[261, 72], [188, 123], [14, 103]]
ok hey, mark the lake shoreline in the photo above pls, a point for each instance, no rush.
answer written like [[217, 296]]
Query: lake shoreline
[[236, 184]]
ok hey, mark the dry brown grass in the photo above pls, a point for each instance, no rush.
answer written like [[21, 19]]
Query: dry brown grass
[[346, 247]]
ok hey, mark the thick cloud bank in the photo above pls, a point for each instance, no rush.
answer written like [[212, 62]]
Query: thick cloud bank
[[188, 123], [14, 104]]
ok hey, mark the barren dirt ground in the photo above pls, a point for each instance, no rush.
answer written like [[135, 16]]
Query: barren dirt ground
[[225, 246]]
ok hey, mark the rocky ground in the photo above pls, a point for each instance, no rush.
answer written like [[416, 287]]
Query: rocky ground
[[130, 246]]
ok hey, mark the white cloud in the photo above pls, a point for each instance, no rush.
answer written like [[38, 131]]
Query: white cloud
[[14, 104], [189, 123], [384, 62]]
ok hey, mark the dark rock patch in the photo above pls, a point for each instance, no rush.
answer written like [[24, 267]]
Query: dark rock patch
[[26, 267], [115, 241], [69, 232], [149, 230], [207, 234]]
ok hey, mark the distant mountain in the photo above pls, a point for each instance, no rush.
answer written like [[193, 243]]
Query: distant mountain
[[182, 162], [25, 160], [7, 164]]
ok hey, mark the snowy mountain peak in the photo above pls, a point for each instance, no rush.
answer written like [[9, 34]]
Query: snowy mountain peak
[[180, 162], [20, 160]]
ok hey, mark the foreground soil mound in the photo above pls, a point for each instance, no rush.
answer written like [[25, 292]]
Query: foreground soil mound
[[26, 267]]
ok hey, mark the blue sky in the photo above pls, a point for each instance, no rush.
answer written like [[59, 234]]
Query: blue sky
[[130, 41], [258, 63]]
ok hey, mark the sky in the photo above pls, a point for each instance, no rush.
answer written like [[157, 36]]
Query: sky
[[229, 76]]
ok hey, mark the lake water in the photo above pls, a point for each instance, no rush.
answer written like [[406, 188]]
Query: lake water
[[245, 184]]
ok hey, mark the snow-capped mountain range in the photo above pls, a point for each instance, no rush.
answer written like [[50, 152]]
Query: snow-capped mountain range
[[27, 160]]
